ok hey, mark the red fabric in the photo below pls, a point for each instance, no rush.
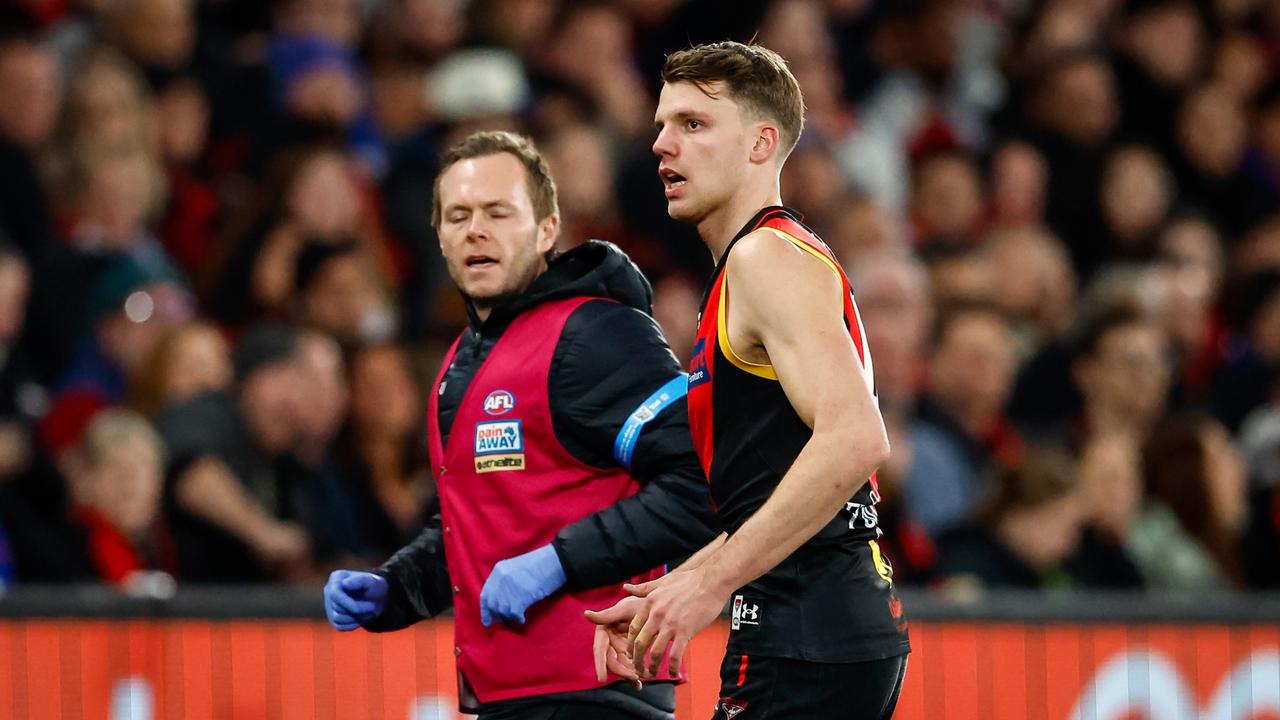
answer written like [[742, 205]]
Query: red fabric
[[113, 555], [65, 424], [495, 511], [187, 229]]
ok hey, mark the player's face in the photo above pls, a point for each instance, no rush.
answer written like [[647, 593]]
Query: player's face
[[491, 241], [703, 146]]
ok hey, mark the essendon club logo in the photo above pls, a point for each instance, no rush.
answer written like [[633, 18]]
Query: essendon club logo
[[499, 402]]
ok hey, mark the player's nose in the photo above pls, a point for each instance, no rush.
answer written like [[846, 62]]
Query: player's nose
[[664, 145]]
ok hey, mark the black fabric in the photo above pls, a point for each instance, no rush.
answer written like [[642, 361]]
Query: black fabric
[[46, 546], [24, 207], [829, 601], [1101, 562], [317, 498], [769, 688], [210, 426], [975, 551]]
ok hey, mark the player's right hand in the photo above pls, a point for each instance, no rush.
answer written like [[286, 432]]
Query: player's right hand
[[352, 598]]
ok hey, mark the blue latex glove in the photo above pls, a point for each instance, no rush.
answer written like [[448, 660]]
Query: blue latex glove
[[353, 598], [518, 582]]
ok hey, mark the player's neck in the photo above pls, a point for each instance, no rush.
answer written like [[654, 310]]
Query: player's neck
[[720, 226]]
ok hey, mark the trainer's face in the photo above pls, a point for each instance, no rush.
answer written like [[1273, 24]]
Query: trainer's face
[[493, 244], [704, 148]]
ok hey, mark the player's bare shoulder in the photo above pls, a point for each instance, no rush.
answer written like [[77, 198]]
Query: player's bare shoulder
[[779, 279]]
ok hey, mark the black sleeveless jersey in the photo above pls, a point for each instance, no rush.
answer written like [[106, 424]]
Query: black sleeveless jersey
[[832, 600]]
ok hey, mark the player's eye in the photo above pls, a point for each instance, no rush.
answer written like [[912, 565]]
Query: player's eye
[[692, 124]]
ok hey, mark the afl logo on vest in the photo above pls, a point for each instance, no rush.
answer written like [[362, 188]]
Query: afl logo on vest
[[499, 402]]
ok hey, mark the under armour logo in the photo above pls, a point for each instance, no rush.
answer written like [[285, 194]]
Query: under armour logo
[[751, 612]]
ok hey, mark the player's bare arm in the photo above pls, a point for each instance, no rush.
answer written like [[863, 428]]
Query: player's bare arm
[[791, 319]]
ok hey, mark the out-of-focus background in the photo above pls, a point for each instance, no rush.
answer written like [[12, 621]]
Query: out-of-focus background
[[1060, 220]]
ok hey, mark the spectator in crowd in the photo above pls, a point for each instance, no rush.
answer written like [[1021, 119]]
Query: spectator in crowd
[[1019, 185], [117, 191], [1073, 112], [190, 360], [315, 492], [1247, 375], [131, 308], [1020, 150], [1123, 371], [960, 436], [1137, 194], [1110, 480], [1212, 136], [223, 449], [32, 88], [108, 104], [1187, 536], [23, 401], [946, 200], [159, 36], [319, 84], [383, 452], [312, 196], [115, 478], [187, 228], [860, 227], [335, 292], [1023, 534]]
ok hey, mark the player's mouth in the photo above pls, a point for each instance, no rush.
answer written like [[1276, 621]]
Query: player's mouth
[[672, 181]]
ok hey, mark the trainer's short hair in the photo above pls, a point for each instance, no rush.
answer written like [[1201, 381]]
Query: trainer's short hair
[[754, 76], [542, 188]]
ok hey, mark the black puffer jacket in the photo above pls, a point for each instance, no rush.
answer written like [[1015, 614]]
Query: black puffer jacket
[[610, 358]]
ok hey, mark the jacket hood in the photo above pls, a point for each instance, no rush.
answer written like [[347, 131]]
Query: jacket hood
[[595, 268]]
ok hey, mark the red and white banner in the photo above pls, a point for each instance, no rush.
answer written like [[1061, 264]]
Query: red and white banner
[[287, 670]]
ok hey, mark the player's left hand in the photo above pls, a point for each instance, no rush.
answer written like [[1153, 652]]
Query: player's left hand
[[518, 582], [675, 608], [611, 645]]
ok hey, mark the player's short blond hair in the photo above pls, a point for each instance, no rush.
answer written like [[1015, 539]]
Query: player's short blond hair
[[754, 76]]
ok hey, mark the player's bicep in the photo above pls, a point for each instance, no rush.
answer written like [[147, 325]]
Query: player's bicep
[[800, 323]]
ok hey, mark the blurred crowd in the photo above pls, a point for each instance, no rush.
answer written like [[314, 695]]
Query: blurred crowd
[[221, 296]]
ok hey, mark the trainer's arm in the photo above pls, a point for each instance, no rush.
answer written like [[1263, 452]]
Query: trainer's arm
[[613, 358], [417, 580], [800, 324]]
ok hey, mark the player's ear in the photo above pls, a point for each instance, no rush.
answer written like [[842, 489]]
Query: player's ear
[[767, 144]]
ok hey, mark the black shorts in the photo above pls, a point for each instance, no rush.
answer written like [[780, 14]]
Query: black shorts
[[768, 688]]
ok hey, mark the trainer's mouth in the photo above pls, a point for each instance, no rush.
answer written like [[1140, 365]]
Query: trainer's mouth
[[480, 261]]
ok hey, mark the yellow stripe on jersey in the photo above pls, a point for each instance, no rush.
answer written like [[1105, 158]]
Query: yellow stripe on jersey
[[807, 248], [882, 568], [722, 335], [765, 371]]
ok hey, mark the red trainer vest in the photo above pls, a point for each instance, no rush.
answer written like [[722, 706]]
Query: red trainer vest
[[507, 486]]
